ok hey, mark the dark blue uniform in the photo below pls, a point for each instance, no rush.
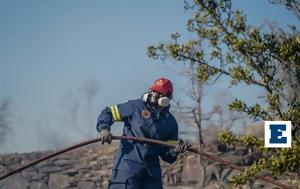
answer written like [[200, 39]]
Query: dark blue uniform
[[137, 165]]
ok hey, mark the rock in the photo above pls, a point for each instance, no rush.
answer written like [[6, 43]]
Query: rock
[[94, 178], [84, 185], [39, 176], [172, 174], [245, 187], [217, 169], [231, 174], [63, 162], [2, 169], [102, 172], [209, 174], [258, 184], [11, 159], [94, 163], [50, 169], [212, 186], [70, 172], [191, 173], [38, 185], [14, 182], [225, 172], [28, 175], [80, 166], [231, 156], [57, 181]]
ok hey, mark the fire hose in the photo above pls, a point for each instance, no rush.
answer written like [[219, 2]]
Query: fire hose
[[151, 141]]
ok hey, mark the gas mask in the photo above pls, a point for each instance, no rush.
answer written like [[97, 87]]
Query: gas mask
[[156, 99]]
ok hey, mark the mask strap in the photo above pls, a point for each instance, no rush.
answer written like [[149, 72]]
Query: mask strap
[[146, 96]]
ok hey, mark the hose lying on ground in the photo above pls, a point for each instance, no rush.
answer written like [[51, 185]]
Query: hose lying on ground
[[146, 140]]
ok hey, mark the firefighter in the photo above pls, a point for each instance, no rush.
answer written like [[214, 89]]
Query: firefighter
[[136, 165]]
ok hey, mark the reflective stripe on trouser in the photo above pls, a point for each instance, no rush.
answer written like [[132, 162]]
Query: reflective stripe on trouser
[[122, 179]]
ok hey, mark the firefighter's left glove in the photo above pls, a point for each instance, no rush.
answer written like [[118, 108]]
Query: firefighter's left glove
[[181, 147], [105, 136]]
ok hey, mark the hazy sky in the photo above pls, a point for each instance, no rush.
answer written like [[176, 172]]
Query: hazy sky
[[50, 50]]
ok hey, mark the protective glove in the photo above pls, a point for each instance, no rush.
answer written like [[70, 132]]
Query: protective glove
[[105, 136], [181, 147]]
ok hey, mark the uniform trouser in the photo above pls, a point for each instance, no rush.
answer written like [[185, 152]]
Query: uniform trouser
[[122, 179]]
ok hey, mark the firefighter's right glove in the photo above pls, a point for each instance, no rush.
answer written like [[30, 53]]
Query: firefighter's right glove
[[181, 147], [105, 136]]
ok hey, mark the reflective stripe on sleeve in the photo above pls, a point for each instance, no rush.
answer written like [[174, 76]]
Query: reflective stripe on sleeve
[[115, 113]]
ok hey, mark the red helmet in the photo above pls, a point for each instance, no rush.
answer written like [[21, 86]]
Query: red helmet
[[163, 86]]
